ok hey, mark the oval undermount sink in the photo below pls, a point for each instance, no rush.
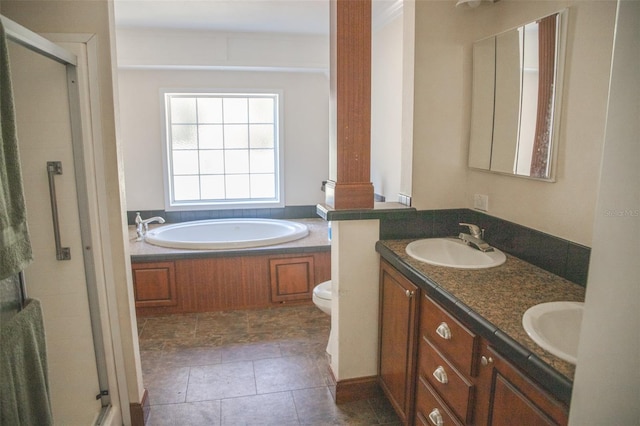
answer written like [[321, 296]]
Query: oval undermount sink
[[453, 253], [555, 326]]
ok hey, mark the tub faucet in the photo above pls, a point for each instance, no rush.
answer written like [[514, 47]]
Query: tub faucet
[[142, 226], [474, 238]]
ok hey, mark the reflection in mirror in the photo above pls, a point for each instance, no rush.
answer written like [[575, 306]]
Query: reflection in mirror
[[484, 62], [514, 120], [507, 102]]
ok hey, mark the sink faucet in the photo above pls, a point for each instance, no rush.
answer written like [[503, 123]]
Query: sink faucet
[[142, 226], [474, 238]]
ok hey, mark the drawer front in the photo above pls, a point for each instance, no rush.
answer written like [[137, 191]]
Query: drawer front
[[430, 409], [452, 338], [452, 386]]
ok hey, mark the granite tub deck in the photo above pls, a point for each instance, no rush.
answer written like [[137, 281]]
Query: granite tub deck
[[492, 301], [317, 240]]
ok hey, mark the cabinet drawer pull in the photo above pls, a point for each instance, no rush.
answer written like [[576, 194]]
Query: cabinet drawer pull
[[486, 361], [441, 375], [409, 293], [444, 331], [436, 418]]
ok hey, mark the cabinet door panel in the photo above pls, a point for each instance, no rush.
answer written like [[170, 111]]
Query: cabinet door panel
[[292, 278], [510, 406], [154, 284], [518, 400], [397, 341]]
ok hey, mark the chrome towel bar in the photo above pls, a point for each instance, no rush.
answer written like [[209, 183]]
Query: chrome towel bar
[[55, 168]]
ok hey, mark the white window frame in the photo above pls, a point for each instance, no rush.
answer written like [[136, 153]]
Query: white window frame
[[171, 204]]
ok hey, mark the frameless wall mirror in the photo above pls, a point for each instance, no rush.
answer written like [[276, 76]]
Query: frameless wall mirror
[[515, 103]]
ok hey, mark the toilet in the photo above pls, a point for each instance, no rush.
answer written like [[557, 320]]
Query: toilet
[[322, 299]]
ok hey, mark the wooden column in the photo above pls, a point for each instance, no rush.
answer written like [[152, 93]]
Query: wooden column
[[349, 185], [546, 78]]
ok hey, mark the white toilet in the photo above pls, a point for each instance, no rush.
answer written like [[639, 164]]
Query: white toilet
[[322, 299]]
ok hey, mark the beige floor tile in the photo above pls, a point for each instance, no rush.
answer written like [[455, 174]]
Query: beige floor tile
[[287, 373], [255, 367], [167, 385], [250, 351], [205, 413], [275, 409], [220, 381]]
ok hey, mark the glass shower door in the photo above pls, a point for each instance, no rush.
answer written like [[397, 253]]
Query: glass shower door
[[45, 134]]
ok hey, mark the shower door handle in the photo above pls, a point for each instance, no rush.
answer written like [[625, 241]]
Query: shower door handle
[[55, 168]]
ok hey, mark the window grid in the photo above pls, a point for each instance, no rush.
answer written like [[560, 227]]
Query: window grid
[[257, 183]]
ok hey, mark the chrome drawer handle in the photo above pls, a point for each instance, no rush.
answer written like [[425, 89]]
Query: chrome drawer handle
[[444, 331], [486, 361], [436, 418], [441, 375]]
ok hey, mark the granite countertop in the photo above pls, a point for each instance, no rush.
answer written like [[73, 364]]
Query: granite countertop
[[317, 240], [499, 296]]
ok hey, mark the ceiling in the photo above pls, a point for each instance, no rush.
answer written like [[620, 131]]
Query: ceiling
[[309, 17]]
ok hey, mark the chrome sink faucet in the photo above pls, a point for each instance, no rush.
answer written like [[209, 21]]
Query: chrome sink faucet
[[474, 238], [142, 226]]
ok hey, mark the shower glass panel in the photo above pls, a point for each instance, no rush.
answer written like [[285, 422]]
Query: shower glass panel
[[44, 134]]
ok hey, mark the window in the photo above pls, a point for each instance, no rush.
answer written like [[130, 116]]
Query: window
[[222, 150]]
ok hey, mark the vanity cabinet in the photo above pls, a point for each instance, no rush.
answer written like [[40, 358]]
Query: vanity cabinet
[[398, 331], [446, 360], [453, 376]]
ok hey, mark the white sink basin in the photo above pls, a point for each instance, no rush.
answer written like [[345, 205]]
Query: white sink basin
[[555, 326], [453, 253]]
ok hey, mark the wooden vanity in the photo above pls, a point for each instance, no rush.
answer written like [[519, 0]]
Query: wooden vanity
[[451, 349]]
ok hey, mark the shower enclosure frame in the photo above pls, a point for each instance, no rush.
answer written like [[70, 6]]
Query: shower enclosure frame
[[93, 264]]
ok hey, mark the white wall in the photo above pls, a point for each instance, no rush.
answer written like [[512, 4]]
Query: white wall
[[608, 369], [305, 128], [408, 73], [354, 303], [164, 48], [150, 61], [441, 179], [386, 108]]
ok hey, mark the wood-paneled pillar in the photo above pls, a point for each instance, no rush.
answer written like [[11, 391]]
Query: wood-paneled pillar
[[349, 185]]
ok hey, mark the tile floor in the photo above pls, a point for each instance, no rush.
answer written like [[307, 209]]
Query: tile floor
[[253, 367]]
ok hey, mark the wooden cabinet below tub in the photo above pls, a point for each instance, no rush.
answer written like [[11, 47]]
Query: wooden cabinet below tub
[[219, 283], [292, 278], [154, 284]]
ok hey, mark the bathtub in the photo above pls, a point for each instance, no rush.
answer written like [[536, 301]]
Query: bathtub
[[226, 233]]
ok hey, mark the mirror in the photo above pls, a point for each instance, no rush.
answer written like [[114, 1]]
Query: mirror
[[515, 101]]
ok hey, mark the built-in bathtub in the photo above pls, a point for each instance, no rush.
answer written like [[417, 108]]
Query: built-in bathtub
[[188, 280], [221, 234]]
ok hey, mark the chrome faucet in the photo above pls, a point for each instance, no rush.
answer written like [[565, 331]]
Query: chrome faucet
[[474, 238], [142, 226]]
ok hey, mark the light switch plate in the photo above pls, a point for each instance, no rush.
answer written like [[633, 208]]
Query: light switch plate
[[481, 202]]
